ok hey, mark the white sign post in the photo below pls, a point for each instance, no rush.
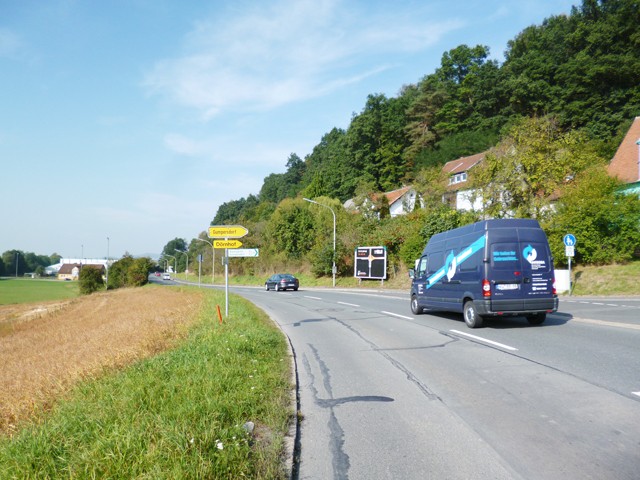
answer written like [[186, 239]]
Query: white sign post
[[227, 232], [570, 250]]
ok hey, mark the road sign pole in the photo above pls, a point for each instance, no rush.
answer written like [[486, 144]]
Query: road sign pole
[[226, 283], [569, 276]]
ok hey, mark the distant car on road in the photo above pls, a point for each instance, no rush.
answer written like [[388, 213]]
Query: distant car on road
[[166, 276], [282, 281], [157, 274]]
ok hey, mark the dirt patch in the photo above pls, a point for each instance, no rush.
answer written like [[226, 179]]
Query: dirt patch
[[46, 347]]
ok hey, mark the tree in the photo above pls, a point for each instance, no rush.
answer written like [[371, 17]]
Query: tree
[[172, 253], [525, 172], [606, 223], [90, 280], [118, 272], [291, 228], [138, 272]]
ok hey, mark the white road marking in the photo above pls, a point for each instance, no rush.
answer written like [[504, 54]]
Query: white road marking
[[598, 303], [606, 323], [636, 393], [396, 315], [480, 339], [313, 298], [348, 304]]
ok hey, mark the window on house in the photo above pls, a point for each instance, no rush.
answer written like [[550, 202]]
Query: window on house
[[458, 178]]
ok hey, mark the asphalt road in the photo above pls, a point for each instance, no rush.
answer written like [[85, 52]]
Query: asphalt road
[[385, 394]]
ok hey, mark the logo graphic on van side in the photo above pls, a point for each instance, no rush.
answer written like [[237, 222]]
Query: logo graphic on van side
[[451, 263], [529, 253]]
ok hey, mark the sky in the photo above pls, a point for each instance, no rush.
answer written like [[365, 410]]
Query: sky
[[125, 124]]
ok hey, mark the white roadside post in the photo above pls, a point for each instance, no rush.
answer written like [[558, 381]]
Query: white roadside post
[[570, 250]]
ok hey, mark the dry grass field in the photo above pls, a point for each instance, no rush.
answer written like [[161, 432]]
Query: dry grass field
[[45, 348]]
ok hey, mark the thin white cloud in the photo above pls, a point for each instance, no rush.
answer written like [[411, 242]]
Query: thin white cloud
[[10, 43], [285, 52]]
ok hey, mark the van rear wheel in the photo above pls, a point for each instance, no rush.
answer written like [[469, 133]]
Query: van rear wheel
[[415, 308], [537, 319], [471, 317]]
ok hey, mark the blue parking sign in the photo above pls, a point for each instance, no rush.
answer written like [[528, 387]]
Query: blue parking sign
[[569, 240]]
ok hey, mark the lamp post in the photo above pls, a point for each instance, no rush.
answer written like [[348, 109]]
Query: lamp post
[[107, 265], [213, 259], [17, 260], [186, 265], [333, 266], [175, 262]]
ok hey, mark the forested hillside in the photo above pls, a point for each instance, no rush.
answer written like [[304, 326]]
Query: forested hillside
[[551, 115]]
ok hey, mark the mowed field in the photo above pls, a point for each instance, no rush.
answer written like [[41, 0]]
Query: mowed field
[[46, 347], [26, 290]]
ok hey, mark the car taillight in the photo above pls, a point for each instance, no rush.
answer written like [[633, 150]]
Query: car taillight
[[486, 288], [553, 287]]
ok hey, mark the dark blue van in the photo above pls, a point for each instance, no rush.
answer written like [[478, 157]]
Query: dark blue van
[[489, 268]]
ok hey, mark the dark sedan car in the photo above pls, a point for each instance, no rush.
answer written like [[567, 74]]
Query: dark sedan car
[[281, 281]]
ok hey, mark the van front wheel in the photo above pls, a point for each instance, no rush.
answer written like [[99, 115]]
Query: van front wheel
[[471, 317], [415, 308]]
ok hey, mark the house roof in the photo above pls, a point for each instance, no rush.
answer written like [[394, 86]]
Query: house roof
[[67, 268], [463, 164], [624, 164], [394, 195]]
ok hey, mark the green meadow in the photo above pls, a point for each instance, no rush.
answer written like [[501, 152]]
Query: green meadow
[[27, 290]]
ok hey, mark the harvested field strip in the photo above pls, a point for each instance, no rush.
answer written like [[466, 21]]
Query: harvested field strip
[[217, 404], [46, 348]]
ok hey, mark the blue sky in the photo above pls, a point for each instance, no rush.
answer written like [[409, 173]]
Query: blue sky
[[136, 119]]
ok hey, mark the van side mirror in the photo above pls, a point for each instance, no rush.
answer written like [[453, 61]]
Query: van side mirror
[[412, 273]]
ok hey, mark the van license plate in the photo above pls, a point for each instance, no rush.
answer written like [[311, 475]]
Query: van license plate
[[507, 286]]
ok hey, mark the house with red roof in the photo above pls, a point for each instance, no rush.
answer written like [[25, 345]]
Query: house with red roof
[[625, 164], [401, 201], [459, 195]]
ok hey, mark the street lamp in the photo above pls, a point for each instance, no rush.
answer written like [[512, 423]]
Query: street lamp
[[107, 265], [213, 259], [17, 260], [186, 265], [333, 266], [175, 262]]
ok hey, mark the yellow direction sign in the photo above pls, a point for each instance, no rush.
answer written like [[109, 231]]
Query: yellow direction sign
[[227, 231], [227, 244]]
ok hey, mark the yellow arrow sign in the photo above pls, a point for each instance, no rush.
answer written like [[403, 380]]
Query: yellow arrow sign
[[227, 244], [227, 231]]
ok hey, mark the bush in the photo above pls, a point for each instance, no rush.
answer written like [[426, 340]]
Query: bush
[[90, 280]]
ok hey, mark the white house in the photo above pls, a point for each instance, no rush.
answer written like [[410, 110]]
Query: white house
[[401, 201], [458, 194]]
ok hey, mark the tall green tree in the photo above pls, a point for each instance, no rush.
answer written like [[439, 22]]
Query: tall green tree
[[521, 177], [173, 253], [290, 229]]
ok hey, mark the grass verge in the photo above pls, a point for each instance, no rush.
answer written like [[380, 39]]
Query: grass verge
[[607, 280], [27, 290], [179, 414]]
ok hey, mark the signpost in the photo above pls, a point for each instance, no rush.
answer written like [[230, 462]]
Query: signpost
[[226, 232], [244, 252], [227, 243], [569, 247]]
